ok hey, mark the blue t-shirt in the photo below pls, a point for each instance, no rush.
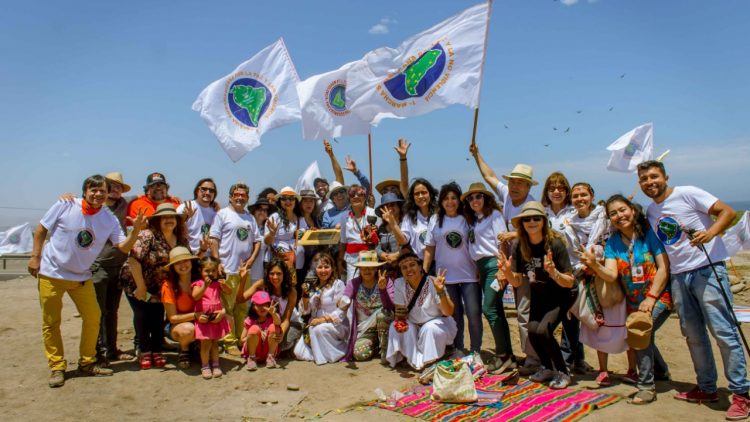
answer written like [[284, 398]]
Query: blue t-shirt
[[637, 278]]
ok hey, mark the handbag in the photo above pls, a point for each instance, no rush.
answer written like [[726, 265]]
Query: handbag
[[585, 310], [453, 383], [609, 294]]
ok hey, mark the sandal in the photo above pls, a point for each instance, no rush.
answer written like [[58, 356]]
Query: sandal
[[271, 362], [120, 356], [183, 360], [217, 373], [145, 361], [603, 379], [643, 397], [206, 372], [159, 360]]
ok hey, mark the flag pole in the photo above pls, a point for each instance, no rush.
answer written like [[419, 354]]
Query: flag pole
[[474, 131], [369, 153]]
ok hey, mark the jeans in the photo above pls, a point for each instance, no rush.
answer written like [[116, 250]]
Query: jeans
[[108, 294], [51, 293], [467, 299], [492, 306], [700, 304], [649, 359], [148, 321], [571, 346]]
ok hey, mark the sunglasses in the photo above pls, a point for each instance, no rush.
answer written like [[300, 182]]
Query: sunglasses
[[287, 198], [209, 190], [476, 197], [357, 195], [239, 195], [535, 218], [557, 188]]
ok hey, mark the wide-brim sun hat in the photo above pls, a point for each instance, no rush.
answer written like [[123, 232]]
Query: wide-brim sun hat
[[262, 201], [523, 172], [368, 259], [334, 187], [387, 182], [179, 254], [388, 198], [308, 193], [287, 191], [530, 209], [164, 210], [639, 325], [477, 187], [116, 177]]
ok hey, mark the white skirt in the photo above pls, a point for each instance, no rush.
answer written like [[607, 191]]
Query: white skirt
[[421, 345], [327, 343], [611, 337]]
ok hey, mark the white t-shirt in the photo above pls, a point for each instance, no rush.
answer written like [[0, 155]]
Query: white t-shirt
[[256, 271], [416, 233], [686, 207], [451, 244], [199, 224], [237, 234], [427, 306], [76, 239], [560, 223], [483, 236], [509, 210], [351, 226]]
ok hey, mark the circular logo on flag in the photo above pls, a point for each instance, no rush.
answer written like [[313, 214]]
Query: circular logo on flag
[[419, 76], [668, 230], [84, 238], [335, 98], [14, 239], [454, 239], [247, 99], [242, 234]]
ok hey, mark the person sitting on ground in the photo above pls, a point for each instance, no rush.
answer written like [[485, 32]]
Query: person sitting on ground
[[177, 297], [259, 340]]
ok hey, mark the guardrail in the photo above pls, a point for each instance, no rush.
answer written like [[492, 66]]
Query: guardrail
[[24, 257]]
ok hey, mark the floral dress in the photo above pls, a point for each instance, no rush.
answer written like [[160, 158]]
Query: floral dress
[[151, 250]]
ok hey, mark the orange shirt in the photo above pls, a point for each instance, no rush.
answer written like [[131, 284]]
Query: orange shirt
[[184, 302], [148, 206]]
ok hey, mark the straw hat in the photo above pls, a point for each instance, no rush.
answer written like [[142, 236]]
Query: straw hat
[[639, 326], [530, 209], [116, 177], [523, 172], [287, 191], [474, 188], [335, 186], [259, 202], [385, 183], [367, 259], [388, 198], [308, 193], [164, 209], [178, 254]]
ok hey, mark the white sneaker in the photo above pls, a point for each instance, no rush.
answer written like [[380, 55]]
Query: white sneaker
[[542, 375], [560, 381]]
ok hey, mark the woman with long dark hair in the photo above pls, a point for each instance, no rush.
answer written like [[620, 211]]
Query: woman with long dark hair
[[419, 209], [176, 295]]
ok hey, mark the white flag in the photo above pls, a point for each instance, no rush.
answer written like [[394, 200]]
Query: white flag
[[261, 94], [429, 71], [308, 177], [18, 239], [737, 237], [631, 149], [324, 107]]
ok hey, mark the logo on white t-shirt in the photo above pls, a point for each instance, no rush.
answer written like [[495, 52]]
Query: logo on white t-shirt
[[668, 230], [85, 238], [205, 229], [472, 236], [454, 239], [242, 234], [422, 236]]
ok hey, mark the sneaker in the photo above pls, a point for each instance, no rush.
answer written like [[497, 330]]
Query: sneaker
[[696, 395], [217, 372], [233, 350], [251, 364], [631, 377], [739, 409], [206, 372], [527, 370], [271, 362], [498, 364], [581, 368], [542, 375], [57, 379], [603, 379], [94, 370], [559, 381]]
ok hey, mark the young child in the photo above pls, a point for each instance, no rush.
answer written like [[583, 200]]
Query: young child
[[211, 324], [258, 339]]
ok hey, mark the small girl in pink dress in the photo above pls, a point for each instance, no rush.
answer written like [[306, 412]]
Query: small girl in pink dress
[[211, 324]]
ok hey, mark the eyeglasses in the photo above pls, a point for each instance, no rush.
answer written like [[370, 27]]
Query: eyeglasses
[[476, 197], [239, 195], [535, 219], [286, 198], [558, 188], [357, 195], [209, 190]]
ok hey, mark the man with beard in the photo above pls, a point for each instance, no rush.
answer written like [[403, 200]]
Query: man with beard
[[236, 242], [199, 214], [155, 193], [683, 219]]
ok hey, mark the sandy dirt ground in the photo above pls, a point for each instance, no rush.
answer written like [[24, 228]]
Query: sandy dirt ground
[[329, 392]]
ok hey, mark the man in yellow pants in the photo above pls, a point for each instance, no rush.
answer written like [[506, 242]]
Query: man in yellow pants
[[78, 231]]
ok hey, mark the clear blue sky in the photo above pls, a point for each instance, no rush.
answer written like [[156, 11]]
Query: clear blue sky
[[91, 87]]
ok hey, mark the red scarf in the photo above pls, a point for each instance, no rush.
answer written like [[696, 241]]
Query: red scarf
[[87, 209]]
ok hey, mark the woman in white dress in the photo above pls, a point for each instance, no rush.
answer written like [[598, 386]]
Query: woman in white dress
[[424, 325], [328, 326]]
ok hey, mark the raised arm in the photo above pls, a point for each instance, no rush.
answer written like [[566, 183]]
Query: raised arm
[[337, 172], [402, 149], [351, 165], [487, 173]]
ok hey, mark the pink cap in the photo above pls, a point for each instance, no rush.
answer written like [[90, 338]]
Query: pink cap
[[261, 298]]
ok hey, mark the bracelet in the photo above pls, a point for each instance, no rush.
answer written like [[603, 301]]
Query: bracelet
[[195, 316], [402, 159], [651, 295], [442, 293]]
